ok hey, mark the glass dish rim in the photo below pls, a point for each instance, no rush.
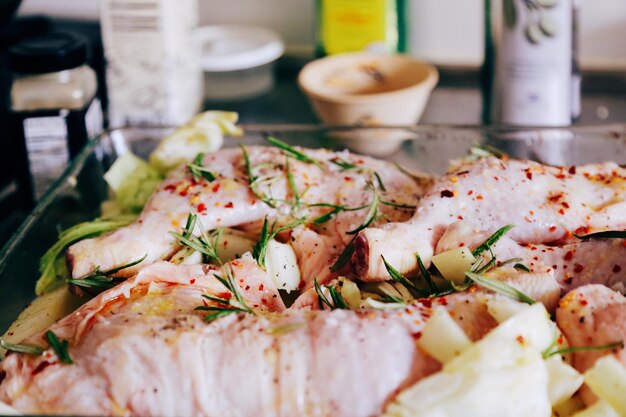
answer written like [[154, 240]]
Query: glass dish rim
[[76, 165]]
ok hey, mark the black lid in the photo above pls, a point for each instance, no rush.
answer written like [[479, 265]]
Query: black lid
[[52, 52]]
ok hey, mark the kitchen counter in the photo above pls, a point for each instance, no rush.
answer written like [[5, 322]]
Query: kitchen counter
[[456, 100]]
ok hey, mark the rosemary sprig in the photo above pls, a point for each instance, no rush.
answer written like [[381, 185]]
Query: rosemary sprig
[[491, 240], [336, 208], [398, 277], [342, 163], [426, 274], [499, 287], [21, 348], [260, 247], [521, 267], [607, 234], [396, 205], [370, 216], [205, 243], [235, 304], [253, 180], [484, 151], [103, 280], [380, 181], [344, 256], [60, 347], [198, 171], [551, 351], [336, 300], [292, 185], [293, 152]]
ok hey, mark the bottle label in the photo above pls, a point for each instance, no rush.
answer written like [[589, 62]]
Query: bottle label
[[535, 62], [47, 148], [355, 25]]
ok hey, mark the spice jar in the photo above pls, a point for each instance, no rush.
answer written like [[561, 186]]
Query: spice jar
[[54, 107]]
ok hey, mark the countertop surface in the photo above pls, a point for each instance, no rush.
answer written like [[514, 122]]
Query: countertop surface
[[456, 100]]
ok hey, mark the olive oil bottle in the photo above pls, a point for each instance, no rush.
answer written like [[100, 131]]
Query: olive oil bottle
[[530, 62], [360, 25]]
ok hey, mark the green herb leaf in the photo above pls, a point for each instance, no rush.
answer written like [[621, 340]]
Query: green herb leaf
[[343, 164], [608, 234], [396, 205], [253, 180], [380, 182], [235, 304], [60, 347], [292, 184], [551, 351], [344, 256], [521, 267], [293, 152], [198, 171], [398, 277], [499, 287], [103, 280], [491, 240], [259, 249], [370, 217], [485, 151], [21, 348], [205, 243], [426, 275], [337, 300]]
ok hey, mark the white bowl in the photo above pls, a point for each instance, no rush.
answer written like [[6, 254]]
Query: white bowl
[[369, 89]]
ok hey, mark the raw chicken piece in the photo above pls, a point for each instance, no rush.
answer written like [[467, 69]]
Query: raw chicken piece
[[142, 349], [594, 261], [593, 315], [546, 204], [229, 202]]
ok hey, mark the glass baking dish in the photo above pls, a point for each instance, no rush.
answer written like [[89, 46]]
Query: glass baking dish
[[76, 196]]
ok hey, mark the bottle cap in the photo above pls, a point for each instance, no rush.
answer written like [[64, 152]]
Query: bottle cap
[[51, 52]]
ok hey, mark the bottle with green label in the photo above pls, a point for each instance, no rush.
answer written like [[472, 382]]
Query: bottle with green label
[[360, 25]]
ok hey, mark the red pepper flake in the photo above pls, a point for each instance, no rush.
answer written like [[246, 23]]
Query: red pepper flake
[[578, 268], [561, 212], [555, 197], [183, 193], [443, 301], [520, 339], [554, 266], [461, 244], [261, 287], [565, 204], [572, 170], [347, 178], [552, 229], [216, 187], [616, 269], [479, 197], [169, 187], [583, 302], [426, 302], [459, 217], [417, 335], [568, 280], [229, 205], [192, 281], [568, 255], [560, 176], [529, 174], [470, 192], [247, 287], [582, 230], [201, 207], [447, 194]]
